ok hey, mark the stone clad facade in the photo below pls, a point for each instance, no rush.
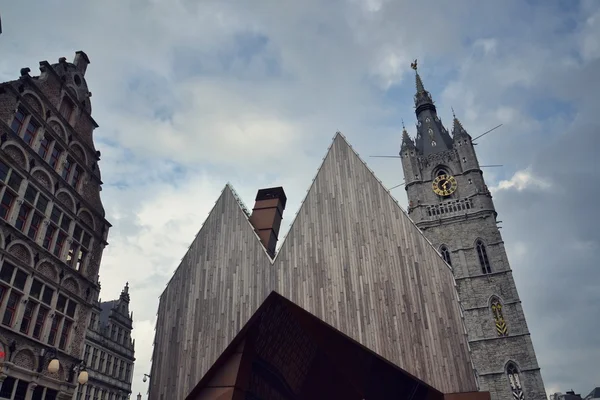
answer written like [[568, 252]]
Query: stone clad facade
[[450, 202], [52, 227], [109, 351]]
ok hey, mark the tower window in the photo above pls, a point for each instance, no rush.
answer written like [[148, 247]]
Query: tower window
[[446, 254], [515, 381], [484, 262], [499, 321]]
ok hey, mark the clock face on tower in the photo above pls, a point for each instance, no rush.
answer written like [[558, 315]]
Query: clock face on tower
[[444, 185]]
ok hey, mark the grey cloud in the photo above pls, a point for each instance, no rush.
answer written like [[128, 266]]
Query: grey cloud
[[334, 57]]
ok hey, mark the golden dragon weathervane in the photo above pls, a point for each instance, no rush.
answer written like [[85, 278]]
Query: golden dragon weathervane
[[413, 65]]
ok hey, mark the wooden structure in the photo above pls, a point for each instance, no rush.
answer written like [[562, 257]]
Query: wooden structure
[[284, 352], [352, 258]]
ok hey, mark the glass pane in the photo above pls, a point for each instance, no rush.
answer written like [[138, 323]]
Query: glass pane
[[71, 307], [30, 194], [60, 304], [15, 181], [20, 279], [47, 296], [3, 171], [36, 289], [42, 204], [6, 272]]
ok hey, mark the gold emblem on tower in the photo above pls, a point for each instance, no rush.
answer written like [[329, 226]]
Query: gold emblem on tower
[[444, 185]]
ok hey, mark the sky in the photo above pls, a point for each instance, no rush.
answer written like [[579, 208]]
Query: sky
[[190, 95]]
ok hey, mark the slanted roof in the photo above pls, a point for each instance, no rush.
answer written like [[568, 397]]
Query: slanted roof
[[291, 352]]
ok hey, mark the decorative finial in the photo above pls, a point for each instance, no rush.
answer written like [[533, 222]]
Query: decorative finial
[[453, 114], [413, 65], [403, 127]]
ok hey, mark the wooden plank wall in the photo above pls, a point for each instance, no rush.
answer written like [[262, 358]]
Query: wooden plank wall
[[352, 257]]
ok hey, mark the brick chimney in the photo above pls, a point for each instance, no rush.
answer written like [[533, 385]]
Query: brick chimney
[[267, 215], [81, 61]]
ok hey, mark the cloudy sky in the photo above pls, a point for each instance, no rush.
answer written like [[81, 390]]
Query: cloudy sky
[[190, 95]]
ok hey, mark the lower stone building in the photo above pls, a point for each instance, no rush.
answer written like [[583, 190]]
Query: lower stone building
[[109, 351]]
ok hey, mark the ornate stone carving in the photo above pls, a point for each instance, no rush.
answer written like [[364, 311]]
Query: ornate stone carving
[[78, 151], [66, 200], [25, 359], [48, 270], [21, 252], [87, 218], [43, 179], [70, 285], [34, 103], [58, 129], [79, 334], [17, 155]]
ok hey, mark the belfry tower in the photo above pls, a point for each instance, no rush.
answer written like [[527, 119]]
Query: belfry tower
[[450, 202]]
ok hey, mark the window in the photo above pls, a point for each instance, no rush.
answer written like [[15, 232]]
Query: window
[[4, 170], [120, 336], [67, 167], [40, 321], [15, 181], [66, 108], [44, 147], [515, 381], [484, 262], [86, 356], [36, 289], [94, 358], [48, 294], [11, 308], [20, 280], [54, 329], [18, 121], [29, 134], [65, 223], [76, 177], [499, 321], [27, 317], [7, 271], [108, 364], [446, 254], [22, 217], [64, 335], [115, 366], [121, 365], [93, 322], [34, 227], [61, 303], [54, 156], [113, 332], [102, 359], [49, 237], [6, 204], [127, 372], [60, 241], [35, 199]]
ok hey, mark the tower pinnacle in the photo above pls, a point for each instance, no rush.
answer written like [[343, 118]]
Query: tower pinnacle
[[432, 137], [407, 142]]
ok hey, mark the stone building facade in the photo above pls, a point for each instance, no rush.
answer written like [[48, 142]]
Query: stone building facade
[[109, 351], [52, 228], [450, 202]]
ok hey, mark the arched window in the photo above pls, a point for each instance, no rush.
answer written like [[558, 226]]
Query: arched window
[[484, 262], [499, 321], [515, 381], [445, 254]]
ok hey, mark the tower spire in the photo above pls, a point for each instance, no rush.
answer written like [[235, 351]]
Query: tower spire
[[407, 142], [432, 137], [457, 128]]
